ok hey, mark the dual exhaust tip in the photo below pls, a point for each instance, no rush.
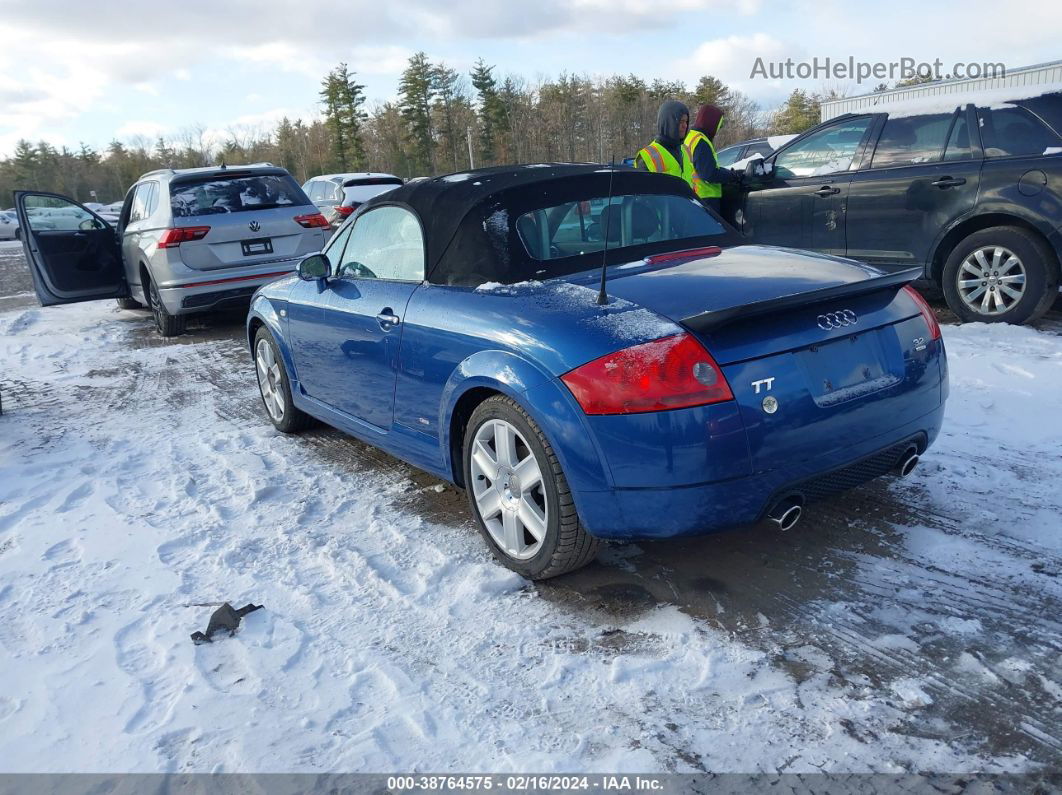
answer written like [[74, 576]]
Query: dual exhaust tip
[[787, 512]]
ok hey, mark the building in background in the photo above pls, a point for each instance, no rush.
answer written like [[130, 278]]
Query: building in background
[[1026, 81]]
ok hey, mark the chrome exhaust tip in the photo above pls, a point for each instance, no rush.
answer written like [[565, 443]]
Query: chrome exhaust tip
[[908, 462], [787, 513]]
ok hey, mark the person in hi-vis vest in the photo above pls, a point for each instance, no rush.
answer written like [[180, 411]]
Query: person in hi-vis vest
[[667, 154], [708, 178]]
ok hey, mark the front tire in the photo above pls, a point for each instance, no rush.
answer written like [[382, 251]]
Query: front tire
[[519, 495], [274, 387], [166, 324], [1004, 274]]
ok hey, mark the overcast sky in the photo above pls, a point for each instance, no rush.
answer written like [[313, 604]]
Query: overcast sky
[[90, 71]]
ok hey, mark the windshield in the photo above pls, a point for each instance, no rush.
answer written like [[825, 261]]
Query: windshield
[[581, 227], [213, 195]]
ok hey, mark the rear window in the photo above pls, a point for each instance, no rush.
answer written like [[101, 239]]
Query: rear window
[[581, 227], [357, 194], [391, 181], [214, 195], [1012, 132]]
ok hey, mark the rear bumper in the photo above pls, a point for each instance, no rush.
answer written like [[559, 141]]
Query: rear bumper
[[630, 513], [210, 290]]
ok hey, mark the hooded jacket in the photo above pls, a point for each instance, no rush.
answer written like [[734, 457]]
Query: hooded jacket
[[668, 119], [709, 118]]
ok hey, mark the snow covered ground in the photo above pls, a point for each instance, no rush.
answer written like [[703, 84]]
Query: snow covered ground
[[909, 626]]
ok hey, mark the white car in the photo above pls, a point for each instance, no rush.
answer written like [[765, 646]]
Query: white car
[[337, 196], [9, 226]]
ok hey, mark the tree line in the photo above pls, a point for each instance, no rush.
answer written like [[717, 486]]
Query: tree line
[[442, 121]]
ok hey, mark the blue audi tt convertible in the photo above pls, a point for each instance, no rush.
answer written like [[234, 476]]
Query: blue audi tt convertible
[[591, 355]]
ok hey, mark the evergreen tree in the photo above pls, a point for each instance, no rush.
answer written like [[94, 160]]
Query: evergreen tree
[[453, 111], [416, 92], [711, 91], [799, 112], [491, 111], [343, 98]]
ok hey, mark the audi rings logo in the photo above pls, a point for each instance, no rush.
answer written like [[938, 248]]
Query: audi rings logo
[[832, 320], [254, 226]]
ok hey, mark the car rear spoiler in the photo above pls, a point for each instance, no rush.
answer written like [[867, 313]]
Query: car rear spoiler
[[709, 321]]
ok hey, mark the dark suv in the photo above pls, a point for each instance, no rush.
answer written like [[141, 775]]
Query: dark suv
[[971, 192]]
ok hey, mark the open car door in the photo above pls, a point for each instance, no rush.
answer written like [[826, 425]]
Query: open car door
[[73, 254]]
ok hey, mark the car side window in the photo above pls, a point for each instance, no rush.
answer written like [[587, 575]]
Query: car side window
[[334, 248], [385, 243], [152, 201], [910, 140], [728, 156], [1012, 132], [959, 147], [139, 209], [51, 214], [827, 151]]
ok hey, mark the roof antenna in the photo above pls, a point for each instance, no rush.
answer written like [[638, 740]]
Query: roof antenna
[[602, 298]]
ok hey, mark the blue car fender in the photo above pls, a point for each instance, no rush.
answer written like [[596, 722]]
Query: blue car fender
[[543, 397], [263, 310]]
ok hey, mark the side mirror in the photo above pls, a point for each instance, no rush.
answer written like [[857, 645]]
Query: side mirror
[[314, 267], [757, 170]]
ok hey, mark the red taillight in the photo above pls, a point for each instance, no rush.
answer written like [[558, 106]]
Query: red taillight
[[690, 253], [927, 312], [345, 210], [171, 238], [312, 220], [669, 373]]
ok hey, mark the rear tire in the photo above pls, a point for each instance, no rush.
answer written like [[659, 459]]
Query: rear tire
[[128, 303], [1003, 274], [491, 481], [274, 387], [166, 324]]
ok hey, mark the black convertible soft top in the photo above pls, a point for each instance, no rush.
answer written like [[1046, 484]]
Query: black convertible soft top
[[469, 217]]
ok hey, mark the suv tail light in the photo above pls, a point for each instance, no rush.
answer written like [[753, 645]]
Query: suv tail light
[[312, 220], [927, 312], [171, 238], [669, 373], [345, 210]]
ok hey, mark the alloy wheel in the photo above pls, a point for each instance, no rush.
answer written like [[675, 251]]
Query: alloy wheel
[[991, 280], [269, 380], [156, 307], [507, 489]]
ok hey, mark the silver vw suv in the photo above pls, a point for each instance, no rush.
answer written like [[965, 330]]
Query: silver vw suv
[[186, 241]]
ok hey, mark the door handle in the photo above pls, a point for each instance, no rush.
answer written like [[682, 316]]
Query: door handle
[[827, 190], [387, 318], [948, 182]]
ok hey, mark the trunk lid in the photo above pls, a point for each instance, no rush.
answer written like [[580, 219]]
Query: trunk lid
[[249, 238], [841, 349], [750, 301]]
